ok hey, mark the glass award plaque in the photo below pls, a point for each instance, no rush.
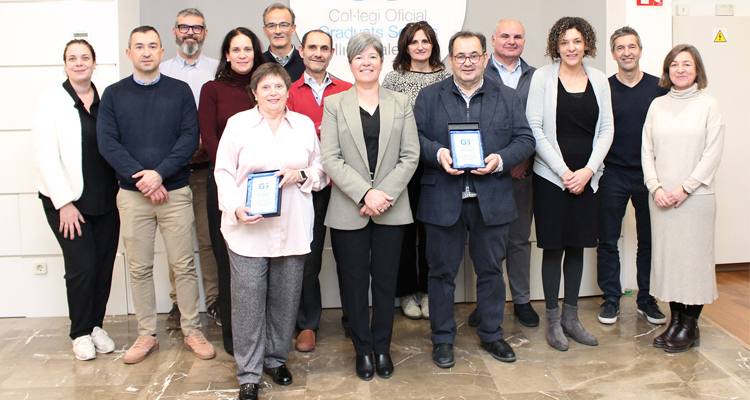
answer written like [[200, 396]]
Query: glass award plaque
[[466, 145], [263, 194]]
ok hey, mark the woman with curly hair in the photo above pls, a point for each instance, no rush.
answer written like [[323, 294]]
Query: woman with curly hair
[[570, 112]]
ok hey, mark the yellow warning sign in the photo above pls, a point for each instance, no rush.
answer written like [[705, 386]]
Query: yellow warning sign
[[720, 38]]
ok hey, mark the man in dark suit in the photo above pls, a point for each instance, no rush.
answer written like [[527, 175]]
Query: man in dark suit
[[454, 202]]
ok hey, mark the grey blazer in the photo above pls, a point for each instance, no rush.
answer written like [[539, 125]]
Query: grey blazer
[[345, 161]]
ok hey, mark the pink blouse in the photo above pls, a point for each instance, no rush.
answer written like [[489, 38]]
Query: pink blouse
[[248, 145]]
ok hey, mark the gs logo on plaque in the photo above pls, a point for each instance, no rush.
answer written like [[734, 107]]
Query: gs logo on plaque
[[383, 18]]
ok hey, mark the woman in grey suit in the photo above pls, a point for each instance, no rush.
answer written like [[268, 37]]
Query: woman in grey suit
[[370, 150]]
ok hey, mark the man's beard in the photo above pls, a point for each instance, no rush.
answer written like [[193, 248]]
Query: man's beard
[[189, 48]]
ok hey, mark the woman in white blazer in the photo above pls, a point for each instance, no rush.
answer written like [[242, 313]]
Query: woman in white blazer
[[570, 113], [78, 190]]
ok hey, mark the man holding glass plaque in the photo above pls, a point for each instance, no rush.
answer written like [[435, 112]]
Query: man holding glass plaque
[[455, 201]]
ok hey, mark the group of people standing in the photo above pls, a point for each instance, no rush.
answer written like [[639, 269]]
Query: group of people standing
[[373, 163]]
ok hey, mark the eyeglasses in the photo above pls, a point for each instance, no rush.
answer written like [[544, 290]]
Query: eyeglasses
[[474, 58], [272, 25], [184, 28]]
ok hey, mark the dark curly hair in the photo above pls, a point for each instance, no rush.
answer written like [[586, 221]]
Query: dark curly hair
[[558, 31], [402, 62]]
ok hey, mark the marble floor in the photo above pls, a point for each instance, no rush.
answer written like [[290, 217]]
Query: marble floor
[[36, 362]]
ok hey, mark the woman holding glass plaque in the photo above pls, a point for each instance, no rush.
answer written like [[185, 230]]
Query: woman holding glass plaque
[[570, 113], [370, 151], [267, 254]]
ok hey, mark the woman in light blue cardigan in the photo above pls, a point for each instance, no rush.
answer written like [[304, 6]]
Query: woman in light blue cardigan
[[570, 113]]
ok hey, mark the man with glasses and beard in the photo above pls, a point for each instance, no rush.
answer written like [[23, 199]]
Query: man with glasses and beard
[[195, 69]]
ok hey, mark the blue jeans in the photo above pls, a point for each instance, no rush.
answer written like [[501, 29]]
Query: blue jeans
[[616, 187]]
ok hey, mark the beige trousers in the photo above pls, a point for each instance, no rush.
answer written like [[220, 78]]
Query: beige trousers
[[139, 219], [205, 251]]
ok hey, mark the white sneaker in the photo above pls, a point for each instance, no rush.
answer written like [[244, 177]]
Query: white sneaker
[[410, 307], [425, 305], [101, 340], [83, 348]]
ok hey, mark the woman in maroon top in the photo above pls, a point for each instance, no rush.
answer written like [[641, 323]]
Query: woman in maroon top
[[220, 99]]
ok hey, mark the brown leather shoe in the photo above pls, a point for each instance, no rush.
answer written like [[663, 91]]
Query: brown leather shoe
[[688, 335], [306, 341], [674, 325], [173, 320]]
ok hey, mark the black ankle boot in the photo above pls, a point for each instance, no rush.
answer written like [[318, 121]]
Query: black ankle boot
[[674, 324], [686, 336]]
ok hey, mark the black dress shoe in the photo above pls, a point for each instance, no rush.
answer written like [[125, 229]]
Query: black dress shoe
[[442, 355], [500, 350], [280, 375], [383, 365], [474, 319], [526, 314], [365, 368], [249, 391]]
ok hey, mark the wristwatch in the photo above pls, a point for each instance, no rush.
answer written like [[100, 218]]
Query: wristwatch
[[303, 175]]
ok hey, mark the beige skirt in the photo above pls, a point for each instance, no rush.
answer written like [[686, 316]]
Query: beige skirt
[[682, 251]]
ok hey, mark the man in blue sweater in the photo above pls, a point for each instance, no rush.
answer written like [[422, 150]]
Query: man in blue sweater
[[147, 131], [632, 93]]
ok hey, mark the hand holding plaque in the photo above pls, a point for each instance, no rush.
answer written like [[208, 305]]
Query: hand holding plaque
[[466, 145], [264, 194]]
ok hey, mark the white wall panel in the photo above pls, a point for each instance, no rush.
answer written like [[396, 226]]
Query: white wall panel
[[44, 295], [118, 296], [329, 281], [12, 301], [18, 163], [36, 235], [53, 23], [24, 85], [10, 220]]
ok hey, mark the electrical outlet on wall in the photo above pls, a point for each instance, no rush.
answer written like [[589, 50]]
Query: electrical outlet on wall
[[725, 9], [40, 268]]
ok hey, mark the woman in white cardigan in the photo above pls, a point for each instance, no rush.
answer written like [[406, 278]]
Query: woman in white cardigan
[[570, 113], [78, 190], [683, 138]]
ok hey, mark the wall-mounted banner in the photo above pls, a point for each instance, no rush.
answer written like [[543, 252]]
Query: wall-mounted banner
[[384, 18]]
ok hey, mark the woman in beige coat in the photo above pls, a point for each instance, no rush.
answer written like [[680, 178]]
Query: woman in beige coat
[[682, 142], [370, 150]]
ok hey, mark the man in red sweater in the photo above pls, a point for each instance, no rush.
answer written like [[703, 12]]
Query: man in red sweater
[[306, 97]]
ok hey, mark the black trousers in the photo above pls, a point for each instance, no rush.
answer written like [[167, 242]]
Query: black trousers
[[617, 186], [222, 260], [445, 250], [310, 304], [363, 254], [89, 260], [412, 270]]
